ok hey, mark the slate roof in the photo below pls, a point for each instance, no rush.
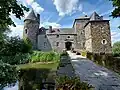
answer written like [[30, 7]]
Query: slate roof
[[81, 18], [95, 16], [31, 16], [62, 31]]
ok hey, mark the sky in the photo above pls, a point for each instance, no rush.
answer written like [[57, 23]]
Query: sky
[[61, 13]]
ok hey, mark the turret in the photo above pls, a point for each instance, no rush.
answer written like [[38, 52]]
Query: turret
[[31, 27]]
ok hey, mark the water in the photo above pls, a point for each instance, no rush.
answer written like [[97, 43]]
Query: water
[[12, 87], [34, 79]]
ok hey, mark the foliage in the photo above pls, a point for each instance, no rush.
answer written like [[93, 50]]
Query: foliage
[[84, 53], [14, 45], [14, 51], [9, 47], [28, 43], [64, 53], [116, 11], [39, 56], [116, 49], [19, 58], [10, 7], [8, 74], [71, 83]]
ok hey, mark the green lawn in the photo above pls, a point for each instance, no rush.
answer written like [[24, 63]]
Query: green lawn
[[52, 66]]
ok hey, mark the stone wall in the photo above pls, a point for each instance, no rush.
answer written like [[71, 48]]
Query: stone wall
[[106, 60], [79, 28], [60, 39], [101, 37], [30, 30], [44, 43], [88, 39]]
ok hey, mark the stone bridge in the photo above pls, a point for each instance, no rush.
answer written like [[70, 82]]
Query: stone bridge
[[99, 77]]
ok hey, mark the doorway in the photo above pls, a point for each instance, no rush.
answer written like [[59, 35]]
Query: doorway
[[68, 45]]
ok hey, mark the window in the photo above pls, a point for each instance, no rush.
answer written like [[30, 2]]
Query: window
[[45, 36], [26, 31], [45, 44], [104, 41], [57, 43], [57, 36], [68, 36]]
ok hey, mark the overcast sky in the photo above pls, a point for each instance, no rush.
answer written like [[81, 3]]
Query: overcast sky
[[61, 13]]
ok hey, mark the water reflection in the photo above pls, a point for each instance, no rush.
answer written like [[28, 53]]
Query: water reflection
[[12, 87], [34, 79]]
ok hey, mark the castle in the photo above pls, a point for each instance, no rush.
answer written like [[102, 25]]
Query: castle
[[88, 33]]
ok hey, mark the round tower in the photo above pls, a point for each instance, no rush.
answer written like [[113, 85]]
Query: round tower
[[31, 27]]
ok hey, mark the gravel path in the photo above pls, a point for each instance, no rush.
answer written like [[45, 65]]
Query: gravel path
[[100, 77]]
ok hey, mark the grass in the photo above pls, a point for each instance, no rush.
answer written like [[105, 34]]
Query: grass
[[52, 66]]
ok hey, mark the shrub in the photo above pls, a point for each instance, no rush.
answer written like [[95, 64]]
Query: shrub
[[14, 45], [64, 53], [116, 49], [84, 53], [16, 59], [71, 83], [38, 56], [8, 74]]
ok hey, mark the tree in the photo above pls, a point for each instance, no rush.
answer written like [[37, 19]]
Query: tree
[[8, 7], [116, 11], [116, 48]]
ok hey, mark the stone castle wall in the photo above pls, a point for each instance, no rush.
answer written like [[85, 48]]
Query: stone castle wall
[[101, 37], [30, 30], [79, 27], [88, 38]]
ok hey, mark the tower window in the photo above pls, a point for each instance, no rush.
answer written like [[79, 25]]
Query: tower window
[[45, 36], [68, 36], [104, 41], [57, 36], [57, 43], [26, 31], [45, 44]]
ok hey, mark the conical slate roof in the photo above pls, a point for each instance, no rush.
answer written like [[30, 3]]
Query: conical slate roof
[[31, 16], [95, 16]]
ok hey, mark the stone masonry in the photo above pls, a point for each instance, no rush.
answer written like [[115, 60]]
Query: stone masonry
[[88, 33]]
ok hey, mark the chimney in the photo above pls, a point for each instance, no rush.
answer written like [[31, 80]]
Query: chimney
[[50, 29]]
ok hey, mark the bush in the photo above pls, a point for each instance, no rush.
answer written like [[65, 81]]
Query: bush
[[71, 83], [38, 56], [14, 45], [64, 53], [8, 74], [17, 59], [84, 53], [116, 49]]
